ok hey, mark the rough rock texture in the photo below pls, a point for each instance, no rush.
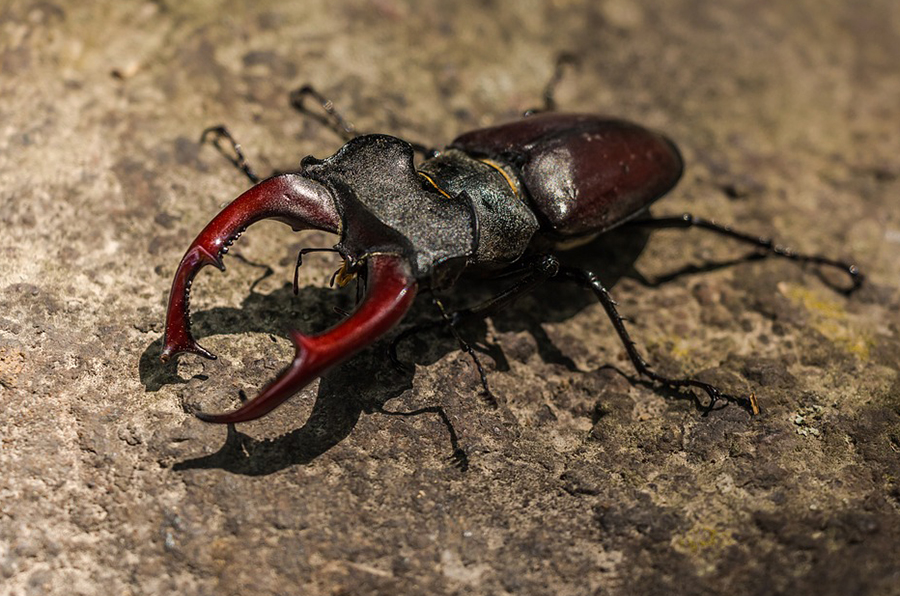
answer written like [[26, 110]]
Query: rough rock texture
[[583, 481]]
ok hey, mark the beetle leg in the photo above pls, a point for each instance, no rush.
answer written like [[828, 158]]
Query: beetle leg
[[588, 280], [767, 244], [465, 347], [391, 291], [549, 95], [332, 119], [451, 321], [538, 271]]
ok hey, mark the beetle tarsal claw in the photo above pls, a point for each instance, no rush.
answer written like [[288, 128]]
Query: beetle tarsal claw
[[390, 294]]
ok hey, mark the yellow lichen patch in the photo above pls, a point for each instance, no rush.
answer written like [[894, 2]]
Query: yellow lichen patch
[[674, 345], [703, 541], [829, 318]]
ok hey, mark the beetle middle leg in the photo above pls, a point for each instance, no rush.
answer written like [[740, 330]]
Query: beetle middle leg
[[537, 270], [688, 220], [589, 280]]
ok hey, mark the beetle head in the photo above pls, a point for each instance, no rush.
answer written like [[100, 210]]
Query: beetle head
[[389, 220]]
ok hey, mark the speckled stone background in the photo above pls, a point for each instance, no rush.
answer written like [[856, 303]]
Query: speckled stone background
[[583, 481]]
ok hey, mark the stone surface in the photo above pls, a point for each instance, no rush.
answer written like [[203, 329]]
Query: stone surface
[[583, 481]]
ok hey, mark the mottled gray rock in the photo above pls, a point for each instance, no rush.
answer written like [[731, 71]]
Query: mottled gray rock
[[582, 481]]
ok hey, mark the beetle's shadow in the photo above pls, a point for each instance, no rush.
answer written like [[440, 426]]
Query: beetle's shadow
[[363, 384], [368, 381]]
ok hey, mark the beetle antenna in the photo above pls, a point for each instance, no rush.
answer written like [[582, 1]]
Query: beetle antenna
[[333, 119], [237, 159]]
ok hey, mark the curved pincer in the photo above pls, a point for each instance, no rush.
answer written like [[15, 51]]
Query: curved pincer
[[391, 290], [290, 198]]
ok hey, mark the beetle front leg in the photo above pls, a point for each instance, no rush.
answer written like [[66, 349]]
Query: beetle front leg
[[588, 280], [465, 347], [333, 119], [451, 320]]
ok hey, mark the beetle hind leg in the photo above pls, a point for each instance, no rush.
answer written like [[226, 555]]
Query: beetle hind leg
[[588, 280], [764, 244], [563, 60]]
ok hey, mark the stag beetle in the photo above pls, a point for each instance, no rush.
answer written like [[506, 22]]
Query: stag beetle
[[497, 201]]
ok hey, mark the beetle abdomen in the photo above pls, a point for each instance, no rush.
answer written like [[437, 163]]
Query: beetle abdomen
[[584, 174]]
